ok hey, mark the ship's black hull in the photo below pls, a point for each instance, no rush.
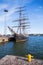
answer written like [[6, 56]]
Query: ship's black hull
[[12, 39], [17, 39]]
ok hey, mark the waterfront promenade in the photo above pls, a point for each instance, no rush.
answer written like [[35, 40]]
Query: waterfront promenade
[[17, 60]]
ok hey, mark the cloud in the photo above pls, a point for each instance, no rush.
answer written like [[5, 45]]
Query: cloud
[[38, 8], [10, 11], [2, 6], [23, 2], [7, 14], [28, 1], [2, 18]]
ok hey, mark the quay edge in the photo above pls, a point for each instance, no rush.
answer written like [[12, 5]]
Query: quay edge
[[4, 39], [17, 60]]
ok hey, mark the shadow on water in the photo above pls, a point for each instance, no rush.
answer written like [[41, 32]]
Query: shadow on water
[[19, 48], [12, 48]]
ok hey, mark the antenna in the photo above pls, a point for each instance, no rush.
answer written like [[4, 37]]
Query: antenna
[[5, 22]]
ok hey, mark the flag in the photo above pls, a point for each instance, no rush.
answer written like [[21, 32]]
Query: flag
[[5, 10]]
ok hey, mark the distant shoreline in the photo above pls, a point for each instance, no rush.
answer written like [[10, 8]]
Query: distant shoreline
[[35, 34]]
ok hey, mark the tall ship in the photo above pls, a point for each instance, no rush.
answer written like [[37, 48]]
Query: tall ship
[[21, 33]]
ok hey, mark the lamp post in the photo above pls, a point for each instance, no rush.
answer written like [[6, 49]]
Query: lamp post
[[5, 24]]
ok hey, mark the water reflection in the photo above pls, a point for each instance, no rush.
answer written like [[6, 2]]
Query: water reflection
[[34, 45]]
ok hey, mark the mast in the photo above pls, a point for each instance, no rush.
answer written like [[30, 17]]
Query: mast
[[22, 24]]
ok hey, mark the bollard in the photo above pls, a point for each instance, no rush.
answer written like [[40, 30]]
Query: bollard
[[29, 56]]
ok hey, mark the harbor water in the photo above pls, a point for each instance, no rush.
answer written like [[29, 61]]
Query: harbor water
[[34, 46]]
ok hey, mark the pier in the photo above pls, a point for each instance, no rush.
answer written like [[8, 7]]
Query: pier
[[4, 39], [17, 60]]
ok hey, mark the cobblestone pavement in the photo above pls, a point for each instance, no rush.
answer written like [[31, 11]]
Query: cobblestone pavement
[[16, 60]]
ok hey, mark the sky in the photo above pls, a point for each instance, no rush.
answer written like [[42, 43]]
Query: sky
[[34, 11]]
